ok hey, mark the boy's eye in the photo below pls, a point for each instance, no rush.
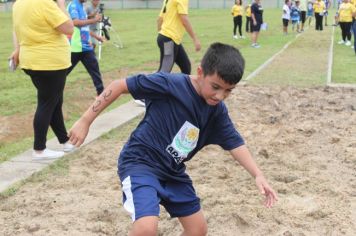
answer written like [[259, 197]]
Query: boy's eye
[[215, 87]]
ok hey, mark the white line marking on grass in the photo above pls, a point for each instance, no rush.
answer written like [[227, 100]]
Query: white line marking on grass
[[330, 62], [259, 69]]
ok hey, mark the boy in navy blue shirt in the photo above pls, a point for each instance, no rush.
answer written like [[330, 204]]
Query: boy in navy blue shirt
[[184, 113]]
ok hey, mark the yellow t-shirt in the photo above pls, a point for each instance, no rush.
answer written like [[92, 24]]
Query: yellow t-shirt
[[172, 26], [345, 12], [237, 10], [319, 6], [248, 11], [42, 47]]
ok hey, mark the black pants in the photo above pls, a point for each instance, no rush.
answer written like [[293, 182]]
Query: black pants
[[354, 29], [91, 64], [345, 30], [318, 21], [237, 22], [248, 22], [50, 86], [171, 53]]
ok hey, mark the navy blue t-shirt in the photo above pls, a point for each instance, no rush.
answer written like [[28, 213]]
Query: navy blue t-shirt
[[257, 10], [177, 124]]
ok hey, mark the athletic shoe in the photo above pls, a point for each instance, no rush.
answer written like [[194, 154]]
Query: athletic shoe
[[68, 147], [46, 154], [341, 42], [242, 37], [234, 37], [140, 102], [255, 45], [348, 43]]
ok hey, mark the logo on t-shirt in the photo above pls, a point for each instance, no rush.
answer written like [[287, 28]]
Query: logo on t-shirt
[[184, 142]]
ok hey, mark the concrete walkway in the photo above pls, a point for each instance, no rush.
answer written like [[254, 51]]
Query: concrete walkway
[[21, 166]]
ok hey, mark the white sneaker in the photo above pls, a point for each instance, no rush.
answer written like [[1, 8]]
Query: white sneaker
[[242, 37], [46, 154], [352, 47], [341, 42], [68, 147], [234, 37], [348, 43], [140, 102]]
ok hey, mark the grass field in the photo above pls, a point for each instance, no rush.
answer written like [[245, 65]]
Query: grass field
[[137, 29]]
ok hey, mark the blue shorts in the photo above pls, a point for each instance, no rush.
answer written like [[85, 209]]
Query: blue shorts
[[142, 195]]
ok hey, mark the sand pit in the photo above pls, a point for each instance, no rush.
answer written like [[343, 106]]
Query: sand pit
[[303, 139]]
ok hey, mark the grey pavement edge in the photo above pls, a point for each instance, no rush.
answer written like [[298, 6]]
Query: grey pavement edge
[[22, 166]]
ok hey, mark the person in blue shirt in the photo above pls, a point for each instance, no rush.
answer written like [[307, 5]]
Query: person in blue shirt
[[295, 15], [184, 113], [80, 42]]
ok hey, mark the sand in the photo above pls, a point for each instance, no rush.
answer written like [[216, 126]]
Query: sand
[[303, 139]]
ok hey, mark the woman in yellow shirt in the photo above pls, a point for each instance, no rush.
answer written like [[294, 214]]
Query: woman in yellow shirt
[[42, 51], [248, 17], [236, 12], [319, 9], [346, 10]]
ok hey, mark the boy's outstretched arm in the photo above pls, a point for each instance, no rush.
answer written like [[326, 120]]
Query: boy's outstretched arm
[[244, 157], [80, 129]]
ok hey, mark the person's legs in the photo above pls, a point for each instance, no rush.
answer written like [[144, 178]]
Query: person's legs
[[166, 48], [343, 31], [75, 58], [303, 17], [348, 31], [194, 225], [145, 226], [321, 22], [182, 59], [49, 85], [57, 121], [354, 29], [239, 24], [91, 64], [235, 26], [248, 19]]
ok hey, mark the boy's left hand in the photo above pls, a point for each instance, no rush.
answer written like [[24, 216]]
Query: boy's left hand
[[265, 189]]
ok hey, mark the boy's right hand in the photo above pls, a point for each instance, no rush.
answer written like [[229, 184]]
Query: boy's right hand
[[78, 132]]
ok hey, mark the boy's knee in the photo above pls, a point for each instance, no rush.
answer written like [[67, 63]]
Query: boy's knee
[[198, 230], [145, 226]]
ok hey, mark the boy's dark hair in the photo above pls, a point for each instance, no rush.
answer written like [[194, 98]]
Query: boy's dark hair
[[224, 60]]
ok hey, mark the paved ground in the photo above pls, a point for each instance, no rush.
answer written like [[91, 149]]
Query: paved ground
[[21, 166]]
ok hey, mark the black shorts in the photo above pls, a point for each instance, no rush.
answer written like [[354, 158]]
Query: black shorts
[[302, 16], [285, 22], [255, 28]]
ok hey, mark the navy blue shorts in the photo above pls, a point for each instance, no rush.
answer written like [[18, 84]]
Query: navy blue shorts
[[142, 195]]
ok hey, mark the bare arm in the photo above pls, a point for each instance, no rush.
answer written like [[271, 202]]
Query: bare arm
[[67, 27], [159, 23], [188, 27], [79, 23], [79, 131], [244, 158], [15, 54]]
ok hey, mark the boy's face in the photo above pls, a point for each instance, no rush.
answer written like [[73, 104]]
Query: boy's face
[[212, 88]]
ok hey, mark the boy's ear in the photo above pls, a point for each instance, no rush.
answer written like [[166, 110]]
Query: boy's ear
[[200, 72]]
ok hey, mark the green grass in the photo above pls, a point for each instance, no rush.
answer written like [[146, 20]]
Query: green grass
[[137, 29]]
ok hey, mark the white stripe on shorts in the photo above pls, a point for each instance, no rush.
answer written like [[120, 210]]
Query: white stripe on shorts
[[128, 204]]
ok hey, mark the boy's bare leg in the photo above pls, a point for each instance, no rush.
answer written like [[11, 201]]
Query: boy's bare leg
[[145, 226], [194, 225]]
